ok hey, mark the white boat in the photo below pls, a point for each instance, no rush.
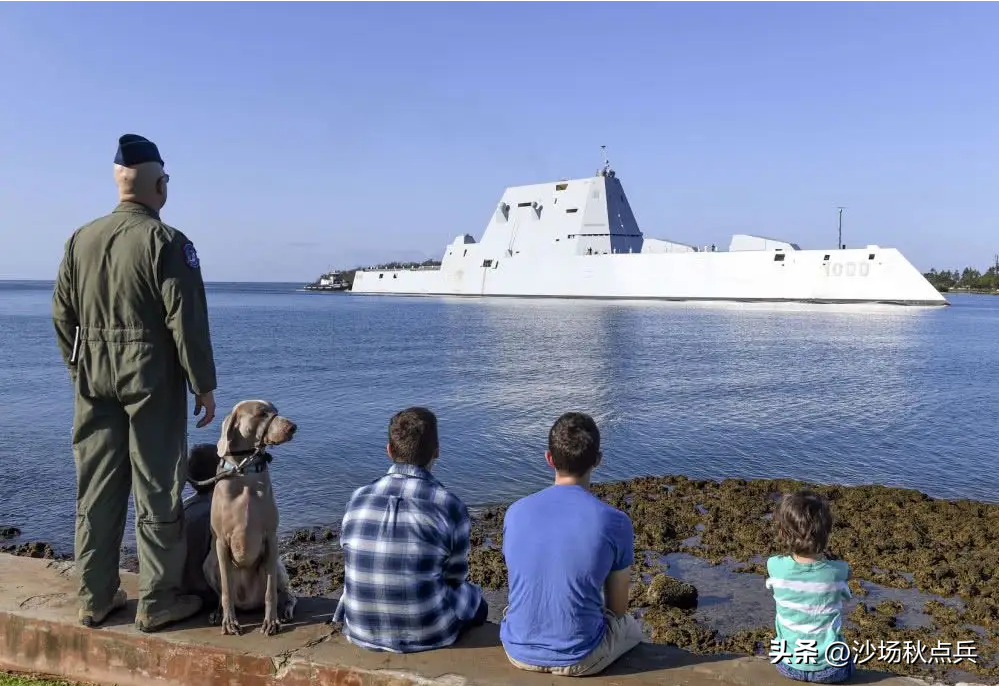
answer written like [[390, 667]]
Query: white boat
[[330, 281], [579, 238]]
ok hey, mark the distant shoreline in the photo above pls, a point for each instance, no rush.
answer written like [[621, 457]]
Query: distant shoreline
[[51, 282], [300, 285], [968, 291]]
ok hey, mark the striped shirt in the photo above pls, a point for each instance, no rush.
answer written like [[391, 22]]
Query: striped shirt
[[406, 541], [809, 599]]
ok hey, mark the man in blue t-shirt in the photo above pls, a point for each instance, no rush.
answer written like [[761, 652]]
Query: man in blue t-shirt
[[569, 558]]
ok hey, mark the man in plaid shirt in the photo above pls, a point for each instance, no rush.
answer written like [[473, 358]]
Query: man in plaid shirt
[[406, 541]]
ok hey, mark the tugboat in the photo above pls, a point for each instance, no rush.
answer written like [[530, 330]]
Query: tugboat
[[330, 281]]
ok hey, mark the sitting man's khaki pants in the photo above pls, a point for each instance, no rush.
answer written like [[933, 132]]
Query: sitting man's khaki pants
[[622, 634]]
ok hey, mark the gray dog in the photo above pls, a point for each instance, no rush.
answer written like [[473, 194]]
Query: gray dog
[[246, 571]]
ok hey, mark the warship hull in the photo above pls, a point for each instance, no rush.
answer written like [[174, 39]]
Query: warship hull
[[580, 239]]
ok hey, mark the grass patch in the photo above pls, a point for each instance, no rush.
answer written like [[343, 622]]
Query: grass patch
[[8, 679]]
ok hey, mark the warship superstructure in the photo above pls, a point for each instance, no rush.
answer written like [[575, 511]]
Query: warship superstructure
[[579, 238]]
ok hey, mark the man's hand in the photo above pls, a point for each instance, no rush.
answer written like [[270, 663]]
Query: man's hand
[[206, 401]]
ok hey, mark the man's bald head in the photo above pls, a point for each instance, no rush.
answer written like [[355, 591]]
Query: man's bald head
[[145, 183]]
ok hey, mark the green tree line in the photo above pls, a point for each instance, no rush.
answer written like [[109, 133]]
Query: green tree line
[[968, 279]]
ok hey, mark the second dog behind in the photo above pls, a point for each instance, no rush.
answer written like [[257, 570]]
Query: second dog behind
[[245, 569]]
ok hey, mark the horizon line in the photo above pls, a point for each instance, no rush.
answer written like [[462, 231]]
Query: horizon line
[[207, 283]]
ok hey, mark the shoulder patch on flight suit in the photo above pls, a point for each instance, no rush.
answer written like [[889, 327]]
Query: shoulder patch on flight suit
[[191, 256]]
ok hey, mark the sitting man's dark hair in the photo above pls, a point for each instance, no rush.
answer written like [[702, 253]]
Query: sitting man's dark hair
[[202, 464], [574, 444], [413, 437]]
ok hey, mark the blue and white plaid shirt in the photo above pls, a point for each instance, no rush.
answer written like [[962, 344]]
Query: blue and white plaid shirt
[[406, 541]]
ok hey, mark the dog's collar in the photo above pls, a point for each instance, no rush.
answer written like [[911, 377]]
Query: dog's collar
[[245, 452], [256, 464]]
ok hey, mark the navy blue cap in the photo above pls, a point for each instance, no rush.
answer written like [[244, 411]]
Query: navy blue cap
[[134, 149]]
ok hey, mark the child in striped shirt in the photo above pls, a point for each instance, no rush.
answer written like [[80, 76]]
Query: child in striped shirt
[[809, 591]]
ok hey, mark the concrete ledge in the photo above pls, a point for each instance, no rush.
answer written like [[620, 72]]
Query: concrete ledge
[[39, 633]]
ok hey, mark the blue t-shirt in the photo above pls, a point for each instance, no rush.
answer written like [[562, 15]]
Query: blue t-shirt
[[560, 545]]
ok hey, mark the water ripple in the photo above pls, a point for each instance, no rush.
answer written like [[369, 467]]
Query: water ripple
[[901, 396]]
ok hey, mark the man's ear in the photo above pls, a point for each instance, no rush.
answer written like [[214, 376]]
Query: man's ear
[[388, 451], [548, 458]]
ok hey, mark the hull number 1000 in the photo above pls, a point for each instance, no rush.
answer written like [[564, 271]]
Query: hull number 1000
[[848, 268]]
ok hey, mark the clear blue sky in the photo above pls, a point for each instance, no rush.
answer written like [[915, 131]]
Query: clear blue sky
[[300, 136]]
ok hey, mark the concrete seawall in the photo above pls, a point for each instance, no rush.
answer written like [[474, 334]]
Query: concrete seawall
[[39, 633]]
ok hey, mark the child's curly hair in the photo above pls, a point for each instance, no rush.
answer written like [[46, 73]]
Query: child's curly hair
[[803, 522], [202, 464]]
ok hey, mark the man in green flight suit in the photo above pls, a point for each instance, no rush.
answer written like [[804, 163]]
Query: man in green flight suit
[[131, 320]]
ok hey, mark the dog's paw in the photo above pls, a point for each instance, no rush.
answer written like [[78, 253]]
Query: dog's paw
[[230, 627], [287, 612], [270, 627], [215, 618]]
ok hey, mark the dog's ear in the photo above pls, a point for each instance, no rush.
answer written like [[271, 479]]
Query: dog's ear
[[230, 429]]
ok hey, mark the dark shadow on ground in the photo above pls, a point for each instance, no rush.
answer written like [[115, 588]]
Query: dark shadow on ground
[[308, 612], [648, 657]]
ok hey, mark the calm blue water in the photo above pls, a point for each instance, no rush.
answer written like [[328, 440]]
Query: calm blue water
[[843, 394]]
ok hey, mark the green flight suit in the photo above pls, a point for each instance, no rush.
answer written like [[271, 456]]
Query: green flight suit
[[131, 288]]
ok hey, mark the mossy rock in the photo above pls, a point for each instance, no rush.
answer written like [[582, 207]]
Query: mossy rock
[[666, 591], [37, 549], [487, 568], [304, 536], [889, 608]]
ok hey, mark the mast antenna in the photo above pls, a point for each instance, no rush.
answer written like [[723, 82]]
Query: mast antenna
[[607, 165], [839, 244]]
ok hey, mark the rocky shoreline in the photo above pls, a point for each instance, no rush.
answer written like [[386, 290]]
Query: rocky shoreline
[[937, 557]]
